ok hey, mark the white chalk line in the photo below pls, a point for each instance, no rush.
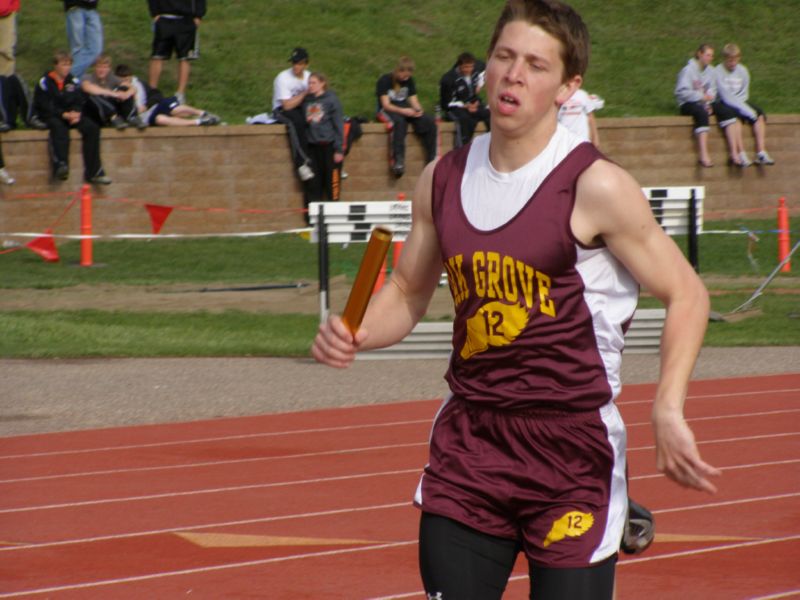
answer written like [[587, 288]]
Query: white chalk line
[[371, 548], [219, 490], [322, 453], [240, 488], [330, 430], [225, 438]]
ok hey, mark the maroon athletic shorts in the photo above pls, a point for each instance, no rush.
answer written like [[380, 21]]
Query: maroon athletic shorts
[[554, 480]]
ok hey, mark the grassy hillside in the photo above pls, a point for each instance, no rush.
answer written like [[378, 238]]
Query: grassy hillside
[[638, 46]]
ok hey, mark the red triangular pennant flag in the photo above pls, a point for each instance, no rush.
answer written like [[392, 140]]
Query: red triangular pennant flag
[[44, 246], [158, 214]]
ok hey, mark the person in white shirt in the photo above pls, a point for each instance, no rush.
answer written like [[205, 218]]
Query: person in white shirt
[[288, 92], [577, 115]]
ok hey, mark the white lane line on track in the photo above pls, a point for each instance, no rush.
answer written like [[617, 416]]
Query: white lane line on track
[[689, 397], [218, 463], [208, 569], [221, 490], [427, 421], [340, 511], [723, 469], [237, 461], [196, 527], [225, 438], [371, 548], [240, 488], [622, 563], [766, 413], [328, 429], [786, 594]]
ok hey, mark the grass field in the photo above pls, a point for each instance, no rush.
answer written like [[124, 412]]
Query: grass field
[[638, 46], [731, 267]]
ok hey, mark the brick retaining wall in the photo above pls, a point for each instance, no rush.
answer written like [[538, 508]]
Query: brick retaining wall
[[241, 168]]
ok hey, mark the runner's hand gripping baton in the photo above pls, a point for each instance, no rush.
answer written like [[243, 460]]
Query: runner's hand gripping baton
[[368, 271]]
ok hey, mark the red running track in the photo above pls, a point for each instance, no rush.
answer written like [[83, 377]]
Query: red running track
[[317, 505]]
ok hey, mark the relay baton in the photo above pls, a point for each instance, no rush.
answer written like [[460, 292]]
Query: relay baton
[[368, 271]]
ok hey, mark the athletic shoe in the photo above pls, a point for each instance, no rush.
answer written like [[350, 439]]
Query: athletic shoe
[[137, 122], [62, 171], [4, 126], [119, 123], [208, 119], [744, 161], [305, 173], [36, 123], [640, 529], [181, 97], [5, 177], [100, 179], [763, 158], [398, 168], [345, 174]]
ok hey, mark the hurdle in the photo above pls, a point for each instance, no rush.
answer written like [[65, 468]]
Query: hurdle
[[675, 209]]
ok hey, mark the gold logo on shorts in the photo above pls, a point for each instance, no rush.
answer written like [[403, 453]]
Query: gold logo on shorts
[[572, 524]]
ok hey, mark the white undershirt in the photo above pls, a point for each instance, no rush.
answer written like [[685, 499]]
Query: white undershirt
[[491, 198]]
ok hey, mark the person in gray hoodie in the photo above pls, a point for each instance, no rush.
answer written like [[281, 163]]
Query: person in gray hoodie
[[733, 84], [325, 136], [696, 94]]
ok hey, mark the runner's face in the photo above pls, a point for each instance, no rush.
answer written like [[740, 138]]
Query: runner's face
[[524, 77]]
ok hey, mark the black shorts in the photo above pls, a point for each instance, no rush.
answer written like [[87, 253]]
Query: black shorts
[[177, 35], [726, 115]]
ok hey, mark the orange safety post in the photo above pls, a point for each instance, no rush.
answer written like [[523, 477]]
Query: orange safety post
[[86, 226], [783, 235], [381, 278]]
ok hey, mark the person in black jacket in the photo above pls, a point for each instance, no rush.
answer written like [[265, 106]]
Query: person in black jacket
[[458, 97], [175, 25], [58, 101]]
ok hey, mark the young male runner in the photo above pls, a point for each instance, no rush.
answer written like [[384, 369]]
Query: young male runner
[[545, 243]]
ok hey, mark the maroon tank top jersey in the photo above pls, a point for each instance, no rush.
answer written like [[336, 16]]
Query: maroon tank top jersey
[[529, 329]]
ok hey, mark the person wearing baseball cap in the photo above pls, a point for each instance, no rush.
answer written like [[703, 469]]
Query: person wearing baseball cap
[[288, 92]]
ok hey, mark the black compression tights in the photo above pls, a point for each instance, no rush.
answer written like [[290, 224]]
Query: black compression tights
[[460, 563]]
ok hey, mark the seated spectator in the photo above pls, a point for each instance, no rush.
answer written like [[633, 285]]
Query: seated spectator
[[733, 85], [696, 94], [15, 101], [154, 109], [458, 97], [109, 104], [170, 112], [288, 92], [5, 176], [59, 102], [577, 115], [325, 135], [398, 105]]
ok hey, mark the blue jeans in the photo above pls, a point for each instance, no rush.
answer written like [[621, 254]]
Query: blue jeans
[[85, 35]]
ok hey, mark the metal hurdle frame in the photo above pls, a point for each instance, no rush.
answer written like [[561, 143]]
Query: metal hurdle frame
[[352, 222]]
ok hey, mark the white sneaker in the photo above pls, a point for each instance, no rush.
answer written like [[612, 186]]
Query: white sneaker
[[305, 173], [744, 161], [6, 178], [763, 158], [181, 97]]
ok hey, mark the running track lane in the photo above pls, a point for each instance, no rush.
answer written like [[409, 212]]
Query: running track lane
[[316, 504]]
